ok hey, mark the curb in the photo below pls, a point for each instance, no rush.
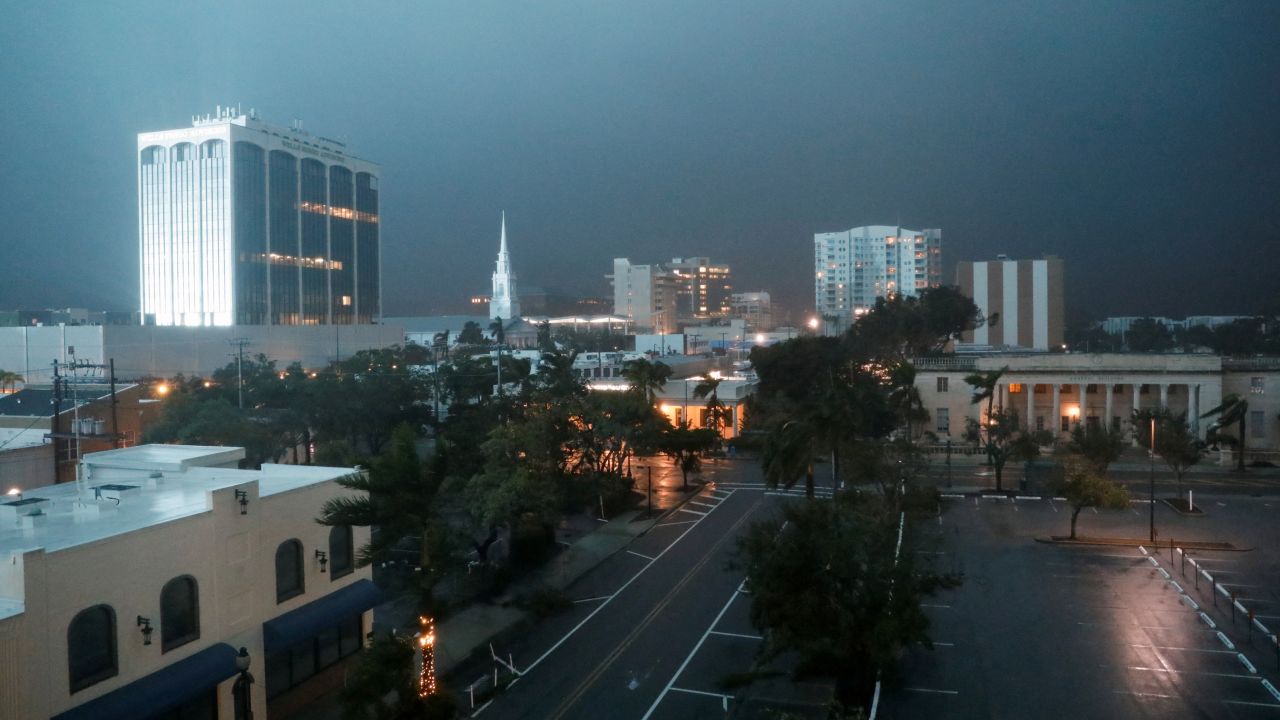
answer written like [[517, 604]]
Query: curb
[[1139, 542]]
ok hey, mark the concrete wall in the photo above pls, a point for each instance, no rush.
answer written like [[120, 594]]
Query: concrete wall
[[148, 351]]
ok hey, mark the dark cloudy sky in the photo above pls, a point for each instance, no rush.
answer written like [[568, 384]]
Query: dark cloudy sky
[[1139, 140]]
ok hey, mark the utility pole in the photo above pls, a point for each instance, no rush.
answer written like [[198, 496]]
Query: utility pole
[[57, 418], [115, 418], [240, 343]]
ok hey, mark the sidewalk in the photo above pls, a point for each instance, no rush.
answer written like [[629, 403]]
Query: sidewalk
[[472, 628]]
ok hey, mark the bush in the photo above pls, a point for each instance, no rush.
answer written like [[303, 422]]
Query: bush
[[544, 602], [532, 542]]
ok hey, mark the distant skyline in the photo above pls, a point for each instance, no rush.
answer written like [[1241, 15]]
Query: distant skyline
[[1135, 140]]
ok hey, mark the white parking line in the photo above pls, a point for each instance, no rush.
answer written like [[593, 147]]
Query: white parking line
[[932, 690], [702, 504], [691, 512], [722, 696], [603, 605], [593, 599], [737, 635], [694, 651], [646, 557], [676, 522]]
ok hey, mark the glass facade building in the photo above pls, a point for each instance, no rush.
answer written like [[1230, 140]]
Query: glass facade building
[[245, 223]]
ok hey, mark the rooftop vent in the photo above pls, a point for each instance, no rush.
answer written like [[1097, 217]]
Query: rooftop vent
[[115, 487], [24, 501]]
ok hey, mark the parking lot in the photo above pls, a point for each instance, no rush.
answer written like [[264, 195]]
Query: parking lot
[[1045, 630]]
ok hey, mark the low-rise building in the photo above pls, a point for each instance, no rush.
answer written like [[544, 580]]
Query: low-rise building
[[1054, 392], [131, 592]]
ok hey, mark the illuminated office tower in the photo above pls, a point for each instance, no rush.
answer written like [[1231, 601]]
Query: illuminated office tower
[[245, 223]]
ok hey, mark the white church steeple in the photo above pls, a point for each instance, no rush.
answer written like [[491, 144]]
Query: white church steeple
[[504, 303]]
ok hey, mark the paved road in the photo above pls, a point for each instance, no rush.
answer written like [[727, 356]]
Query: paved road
[[1052, 631], [652, 629]]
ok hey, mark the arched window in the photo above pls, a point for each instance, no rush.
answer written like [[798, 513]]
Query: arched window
[[91, 647], [183, 152], [153, 155], [179, 612], [212, 149], [289, 581], [341, 552]]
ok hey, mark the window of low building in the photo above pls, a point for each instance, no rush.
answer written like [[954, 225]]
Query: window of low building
[[289, 578], [179, 613], [91, 647]]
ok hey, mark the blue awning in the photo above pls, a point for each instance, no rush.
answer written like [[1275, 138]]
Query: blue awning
[[162, 690], [307, 621]]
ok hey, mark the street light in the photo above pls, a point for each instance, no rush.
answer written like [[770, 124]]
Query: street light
[[240, 691]]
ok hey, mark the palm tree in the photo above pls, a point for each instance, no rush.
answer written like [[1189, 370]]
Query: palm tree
[[646, 378], [8, 379], [904, 396], [984, 386], [717, 412], [499, 331], [1233, 410], [788, 455]]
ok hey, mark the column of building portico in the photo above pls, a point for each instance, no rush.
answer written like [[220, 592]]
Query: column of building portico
[[1164, 395], [1080, 388], [1106, 418], [1193, 408], [1137, 405], [1056, 427], [1030, 390]]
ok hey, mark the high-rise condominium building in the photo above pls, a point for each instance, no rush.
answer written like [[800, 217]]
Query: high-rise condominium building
[[1020, 299], [645, 294], [245, 223], [703, 290], [854, 267]]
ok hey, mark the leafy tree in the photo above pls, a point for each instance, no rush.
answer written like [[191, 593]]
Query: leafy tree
[[825, 586], [1147, 335], [904, 397], [1099, 446], [788, 455], [1007, 440], [685, 446], [901, 327], [383, 684], [189, 421], [1233, 409], [646, 377], [1084, 486], [471, 334], [555, 375], [986, 386], [1174, 441], [498, 329], [399, 497]]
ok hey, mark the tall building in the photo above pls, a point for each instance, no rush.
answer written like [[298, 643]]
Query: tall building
[[1021, 299], [646, 295], [703, 290], [853, 268], [755, 308], [245, 223], [504, 303]]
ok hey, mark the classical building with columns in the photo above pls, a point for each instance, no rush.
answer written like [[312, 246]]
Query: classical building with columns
[[1054, 392]]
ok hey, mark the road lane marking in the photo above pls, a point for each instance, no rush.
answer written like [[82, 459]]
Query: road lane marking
[[657, 610], [646, 557], [737, 635], [694, 651], [592, 599], [932, 690], [615, 594], [722, 696], [1172, 671], [1251, 704]]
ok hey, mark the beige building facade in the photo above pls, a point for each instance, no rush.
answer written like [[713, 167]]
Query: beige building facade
[[130, 592], [1055, 392]]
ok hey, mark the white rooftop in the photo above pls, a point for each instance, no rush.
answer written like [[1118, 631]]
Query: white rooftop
[[130, 489]]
